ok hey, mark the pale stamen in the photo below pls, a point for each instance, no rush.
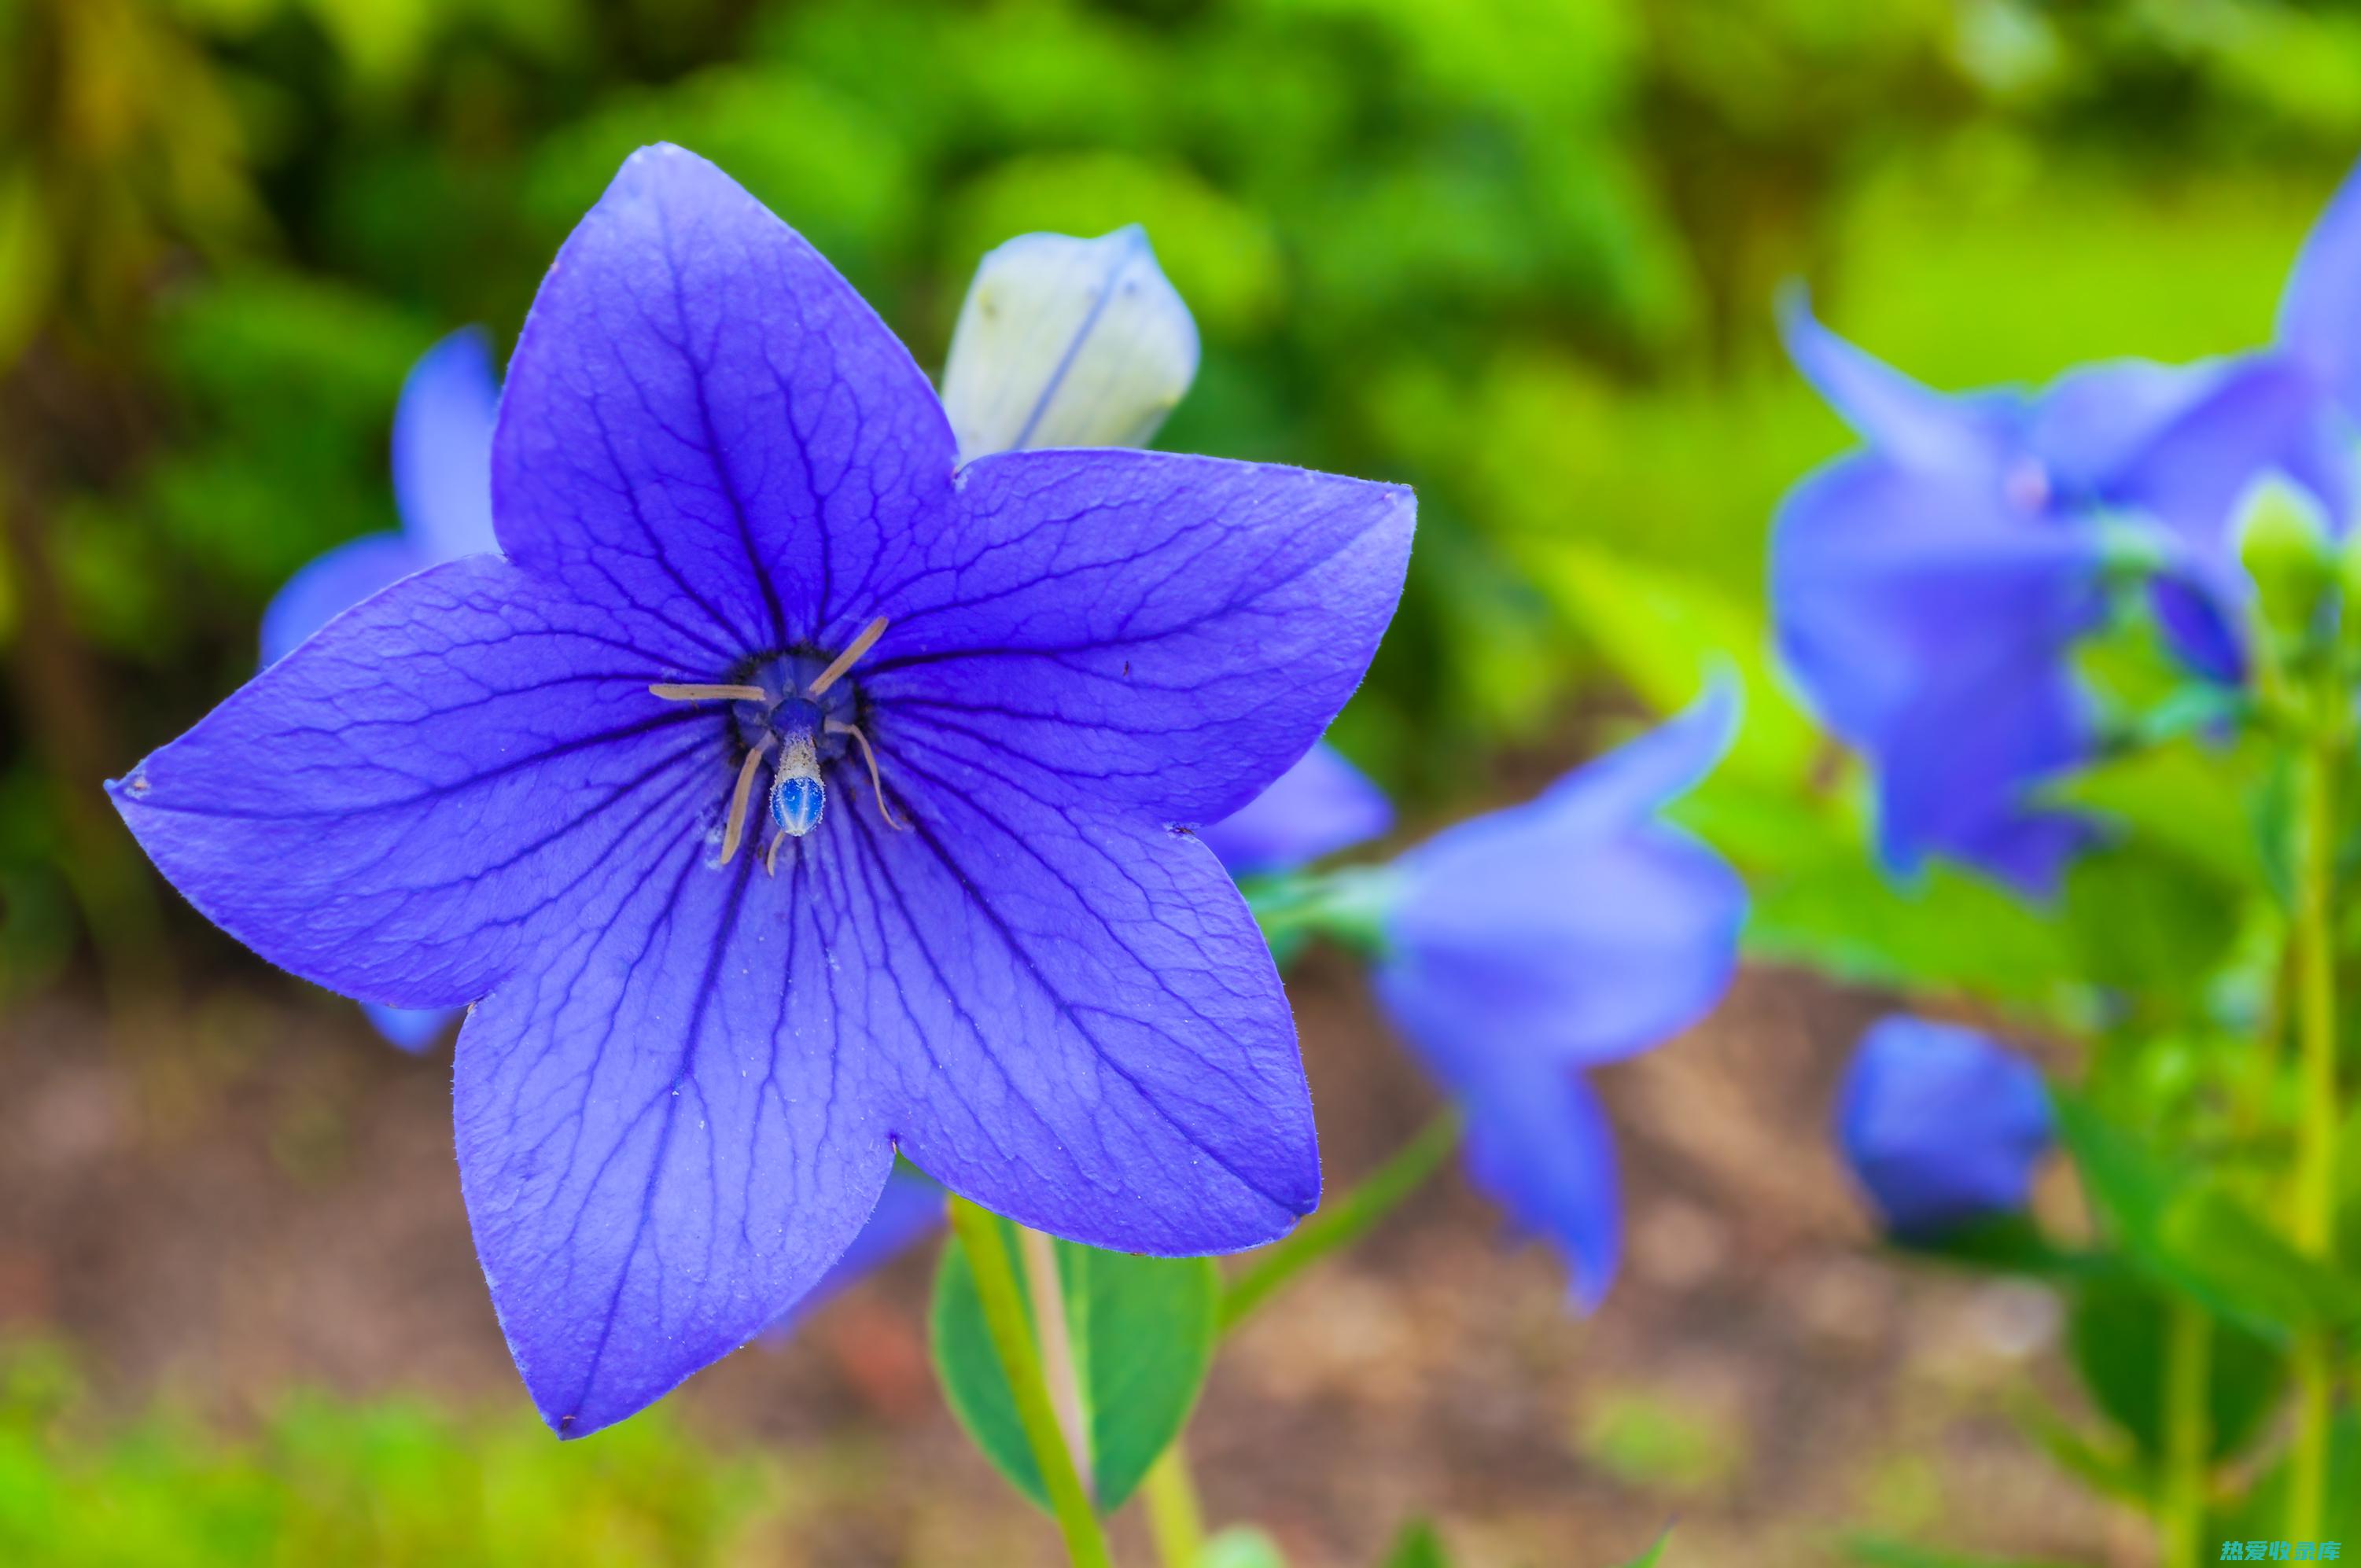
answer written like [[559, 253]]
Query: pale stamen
[[845, 661], [735, 828], [709, 694], [838, 726], [771, 857]]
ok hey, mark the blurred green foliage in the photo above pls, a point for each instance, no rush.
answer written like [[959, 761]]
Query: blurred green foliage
[[326, 1482], [1516, 252]]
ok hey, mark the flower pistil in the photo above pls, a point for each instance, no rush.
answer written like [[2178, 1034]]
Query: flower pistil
[[805, 723]]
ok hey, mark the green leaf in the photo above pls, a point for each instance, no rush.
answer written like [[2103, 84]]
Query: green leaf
[[1417, 1546], [2117, 1334], [2187, 796], [1649, 1557], [1142, 1330], [2196, 1238], [2262, 1512]]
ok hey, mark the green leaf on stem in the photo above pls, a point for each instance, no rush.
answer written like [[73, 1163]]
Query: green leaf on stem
[[2197, 1238], [2116, 1334], [1142, 1331]]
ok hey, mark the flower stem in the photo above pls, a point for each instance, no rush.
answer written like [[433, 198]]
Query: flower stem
[[1341, 1223], [1174, 1516], [1012, 1335], [2189, 1437], [1060, 1371], [2315, 1199]]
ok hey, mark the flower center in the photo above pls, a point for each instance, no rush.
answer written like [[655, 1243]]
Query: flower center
[[796, 711]]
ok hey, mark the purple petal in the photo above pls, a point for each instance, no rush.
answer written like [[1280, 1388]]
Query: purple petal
[[1941, 1124], [1539, 1142], [2201, 610], [1630, 785], [1168, 632], [1913, 424], [1573, 929], [442, 448], [412, 1029], [2320, 311], [908, 1212], [1097, 1044], [1932, 624], [332, 584], [2262, 415], [2090, 421], [667, 1126], [1320, 806], [395, 809], [708, 434]]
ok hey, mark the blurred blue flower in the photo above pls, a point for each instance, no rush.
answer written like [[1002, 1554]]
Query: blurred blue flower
[[1929, 593], [1524, 945], [736, 537], [1320, 806], [442, 486], [1941, 1124]]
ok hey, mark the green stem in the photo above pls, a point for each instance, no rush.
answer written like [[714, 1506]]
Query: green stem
[[2315, 1204], [1012, 1335], [1174, 1516], [1339, 1225], [2189, 1437], [1061, 1373]]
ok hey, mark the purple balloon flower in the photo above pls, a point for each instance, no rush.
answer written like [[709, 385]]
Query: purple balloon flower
[[443, 484], [737, 542], [1577, 929], [1929, 592], [1320, 806], [1941, 1124]]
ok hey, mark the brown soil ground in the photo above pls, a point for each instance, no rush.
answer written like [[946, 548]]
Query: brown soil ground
[[261, 1196]]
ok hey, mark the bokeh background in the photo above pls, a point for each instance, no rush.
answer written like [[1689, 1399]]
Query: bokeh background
[[1517, 253]]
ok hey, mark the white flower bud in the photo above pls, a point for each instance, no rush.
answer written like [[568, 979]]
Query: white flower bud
[[1067, 342]]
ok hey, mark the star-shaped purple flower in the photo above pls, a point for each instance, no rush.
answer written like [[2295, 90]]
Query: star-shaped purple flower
[[737, 544], [1526, 945], [1929, 591]]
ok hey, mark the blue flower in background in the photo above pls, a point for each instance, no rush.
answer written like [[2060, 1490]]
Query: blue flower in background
[[1320, 806], [1941, 1124], [443, 484], [1928, 592], [1524, 945], [737, 538], [909, 1211], [1930, 621]]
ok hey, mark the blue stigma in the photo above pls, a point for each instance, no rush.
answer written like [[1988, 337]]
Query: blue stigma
[[796, 802]]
